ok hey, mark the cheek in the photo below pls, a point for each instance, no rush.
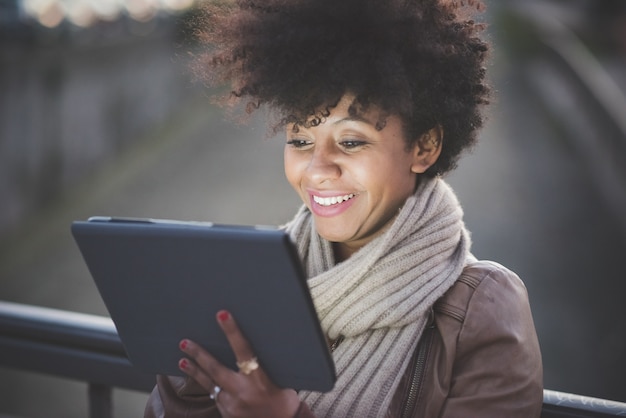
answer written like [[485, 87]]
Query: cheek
[[394, 179], [292, 169]]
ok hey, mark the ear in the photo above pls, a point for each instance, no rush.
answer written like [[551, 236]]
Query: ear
[[427, 149]]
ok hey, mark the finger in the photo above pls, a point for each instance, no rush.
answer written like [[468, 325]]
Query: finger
[[240, 345], [204, 367], [193, 371], [246, 359]]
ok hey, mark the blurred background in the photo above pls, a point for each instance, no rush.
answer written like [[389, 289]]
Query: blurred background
[[100, 115]]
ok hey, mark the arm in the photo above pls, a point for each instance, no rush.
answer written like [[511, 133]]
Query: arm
[[497, 369]]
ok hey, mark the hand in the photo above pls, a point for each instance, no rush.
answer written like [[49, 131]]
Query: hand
[[240, 395]]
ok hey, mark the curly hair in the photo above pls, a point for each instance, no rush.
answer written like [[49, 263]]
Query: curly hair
[[422, 60]]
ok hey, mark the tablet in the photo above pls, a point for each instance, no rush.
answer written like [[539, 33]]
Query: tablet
[[163, 281]]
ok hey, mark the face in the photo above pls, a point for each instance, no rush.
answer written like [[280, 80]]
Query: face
[[353, 177]]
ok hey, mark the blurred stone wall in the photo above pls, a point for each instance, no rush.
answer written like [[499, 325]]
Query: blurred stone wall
[[72, 98]]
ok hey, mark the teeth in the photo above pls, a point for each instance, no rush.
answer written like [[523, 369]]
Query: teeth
[[329, 201]]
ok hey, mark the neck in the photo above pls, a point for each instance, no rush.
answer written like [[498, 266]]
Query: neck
[[342, 252]]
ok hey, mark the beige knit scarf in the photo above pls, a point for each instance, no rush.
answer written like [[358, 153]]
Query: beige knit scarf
[[379, 298]]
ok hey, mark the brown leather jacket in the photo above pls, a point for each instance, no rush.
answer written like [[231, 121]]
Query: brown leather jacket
[[479, 358]]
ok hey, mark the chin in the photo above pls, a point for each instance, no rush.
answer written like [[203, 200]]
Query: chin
[[335, 237]]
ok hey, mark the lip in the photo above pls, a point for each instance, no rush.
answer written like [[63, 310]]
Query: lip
[[332, 210]]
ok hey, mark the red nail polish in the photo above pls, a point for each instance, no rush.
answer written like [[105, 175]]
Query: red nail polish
[[183, 344], [223, 316], [183, 364]]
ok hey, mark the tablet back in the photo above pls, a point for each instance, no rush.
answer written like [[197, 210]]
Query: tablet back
[[163, 281]]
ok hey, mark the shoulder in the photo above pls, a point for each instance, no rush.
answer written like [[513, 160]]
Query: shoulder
[[488, 306], [489, 343], [484, 288], [486, 316]]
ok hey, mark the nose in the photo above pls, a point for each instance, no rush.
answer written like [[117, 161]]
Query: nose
[[324, 165]]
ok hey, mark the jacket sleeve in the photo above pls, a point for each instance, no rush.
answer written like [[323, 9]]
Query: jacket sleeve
[[178, 397], [497, 370], [175, 396]]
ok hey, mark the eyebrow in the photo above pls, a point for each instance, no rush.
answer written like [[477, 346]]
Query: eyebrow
[[355, 118]]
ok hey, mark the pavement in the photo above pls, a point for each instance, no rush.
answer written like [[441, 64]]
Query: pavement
[[528, 200]]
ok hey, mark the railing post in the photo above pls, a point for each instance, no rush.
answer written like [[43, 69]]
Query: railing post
[[100, 401]]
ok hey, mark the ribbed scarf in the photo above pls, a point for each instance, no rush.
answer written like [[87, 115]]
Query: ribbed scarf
[[379, 298]]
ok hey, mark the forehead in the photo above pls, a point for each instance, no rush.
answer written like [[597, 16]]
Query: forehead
[[348, 108]]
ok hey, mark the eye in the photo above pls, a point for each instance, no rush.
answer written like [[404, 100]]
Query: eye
[[299, 143], [351, 144]]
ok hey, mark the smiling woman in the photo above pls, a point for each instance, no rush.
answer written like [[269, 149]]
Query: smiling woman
[[378, 100], [342, 169]]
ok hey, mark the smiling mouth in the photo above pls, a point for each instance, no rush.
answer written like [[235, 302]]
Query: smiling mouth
[[330, 201]]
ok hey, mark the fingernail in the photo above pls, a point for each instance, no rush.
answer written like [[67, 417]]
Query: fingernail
[[183, 364], [223, 316], [183, 344]]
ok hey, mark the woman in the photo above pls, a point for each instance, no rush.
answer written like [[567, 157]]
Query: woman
[[378, 100]]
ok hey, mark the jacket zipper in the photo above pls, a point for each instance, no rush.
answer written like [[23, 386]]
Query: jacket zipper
[[417, 376]]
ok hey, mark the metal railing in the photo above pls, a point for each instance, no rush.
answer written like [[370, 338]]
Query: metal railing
[[71, 345], [87, 348]]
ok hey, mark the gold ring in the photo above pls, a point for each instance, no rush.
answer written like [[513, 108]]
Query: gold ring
[[248, 366]]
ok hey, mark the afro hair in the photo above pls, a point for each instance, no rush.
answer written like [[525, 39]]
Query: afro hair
[[423, 60]]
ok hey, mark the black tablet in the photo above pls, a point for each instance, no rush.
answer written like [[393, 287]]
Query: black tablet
[[163, 281]]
